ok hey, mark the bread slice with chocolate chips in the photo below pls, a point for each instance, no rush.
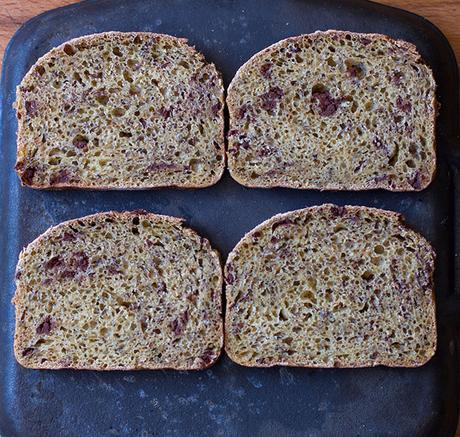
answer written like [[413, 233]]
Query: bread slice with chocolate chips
[[331, 286], [333, 111], [122, 291], [121, 111]]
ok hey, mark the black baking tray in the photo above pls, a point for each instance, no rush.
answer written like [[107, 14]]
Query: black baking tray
[[227, 399]]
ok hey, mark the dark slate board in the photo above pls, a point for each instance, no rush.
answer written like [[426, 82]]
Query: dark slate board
[[227, 399]]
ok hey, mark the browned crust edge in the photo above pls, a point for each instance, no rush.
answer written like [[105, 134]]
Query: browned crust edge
[[85, 41], [17, 301], [232, 110], [326, 208]]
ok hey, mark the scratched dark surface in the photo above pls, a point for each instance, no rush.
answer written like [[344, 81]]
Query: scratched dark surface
[[227, 399]]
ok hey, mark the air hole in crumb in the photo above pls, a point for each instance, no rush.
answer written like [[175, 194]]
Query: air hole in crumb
[[133, 64], [80, 141], [40, 70], [318, 88], [118, 112], [330, 61], [127, 76], [102, 99], [355, 69], [308, 295], [195, 165], [379, 249], [394, 157], [116, 51], [367, 275], [283, 315], [204, 78], [134, 90], [69, 50]]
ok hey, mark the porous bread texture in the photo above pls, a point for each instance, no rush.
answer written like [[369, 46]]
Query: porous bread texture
[[331, 286], [123, 291], [333, 111], [121, 111]]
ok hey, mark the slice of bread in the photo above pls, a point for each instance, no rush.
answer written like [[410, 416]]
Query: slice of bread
[[333, 111], [123, 291], [121, 111], [331, 286]]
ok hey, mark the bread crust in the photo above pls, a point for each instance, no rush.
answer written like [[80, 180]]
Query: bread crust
[[18, 300], [87, 41], [232, 106], [396, 218]]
